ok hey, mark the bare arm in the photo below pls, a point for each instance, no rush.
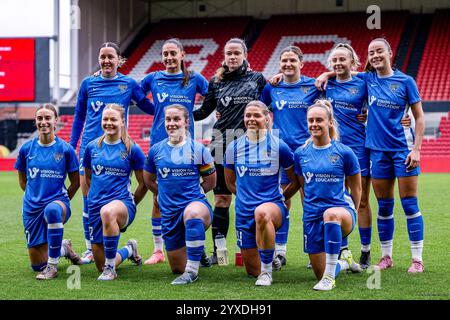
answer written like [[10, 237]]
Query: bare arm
[[141, 189], [354, 183], [230, 180], [209, 182], [150, 182], [413, 159], [74, 178], [293, 185], [88, 176], [22, 179]]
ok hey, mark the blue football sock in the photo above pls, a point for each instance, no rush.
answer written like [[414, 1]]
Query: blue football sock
[[333, 240], [281, 235], [87, 237], [366, 236], [414, 219], [53, 213], [195, 243], [110, 244], [266, 257]]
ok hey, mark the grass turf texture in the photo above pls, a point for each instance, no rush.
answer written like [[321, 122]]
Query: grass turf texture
[[294, 281]]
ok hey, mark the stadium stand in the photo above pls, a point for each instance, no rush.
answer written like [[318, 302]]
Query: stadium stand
[[433, 78], [316, 38]]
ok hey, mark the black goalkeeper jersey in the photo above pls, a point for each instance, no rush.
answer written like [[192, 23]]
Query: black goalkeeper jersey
[[229, 97]]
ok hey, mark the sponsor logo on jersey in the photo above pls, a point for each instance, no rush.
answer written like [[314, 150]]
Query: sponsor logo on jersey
[[164, 172], [123, 155], [123, 87], [96, 106], [280, 104], [33, 172], [330, 99], [372, 100], [242, 170], [162, 97], [308, 176], [97, 169], [226, 101]]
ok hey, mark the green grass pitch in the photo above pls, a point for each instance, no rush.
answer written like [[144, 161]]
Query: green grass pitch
[[293, 282]]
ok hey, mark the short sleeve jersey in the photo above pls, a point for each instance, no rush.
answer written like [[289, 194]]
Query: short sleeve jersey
[[112, 166], [388, 98], [324, 170], [168, 89], [46, 167], [178, 169], [289, 103]]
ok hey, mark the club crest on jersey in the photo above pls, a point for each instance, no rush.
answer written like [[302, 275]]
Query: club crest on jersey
[[164, 172], [96, 106], [33, 172], [308, 176], [333, 158], [305, 90], [353, 90], [372, 100], [393, 87], [162, 97], [226, 101], [97, 169], [58, 157], [280, 104], [123, 155], [241, 170], [123, 87]]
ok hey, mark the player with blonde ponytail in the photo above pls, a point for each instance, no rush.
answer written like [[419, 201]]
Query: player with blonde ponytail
[[109, 162], [322, 165]]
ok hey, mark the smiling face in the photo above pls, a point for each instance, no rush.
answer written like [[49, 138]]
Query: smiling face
[[234, 56], [290, 64], [341, 62], [254, 118], [380, 56], [319, 123], [172, 57], [112, 123], [108, 60], [45, 121], [176, 123]]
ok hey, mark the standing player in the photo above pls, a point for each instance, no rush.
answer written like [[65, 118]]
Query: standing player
[[229, 91], [175, 85], [252, 172], [289, 100], [348, 95], [172, 172], [42, 165], [109, 162], [95, 92], [394, 149], [323, 166]]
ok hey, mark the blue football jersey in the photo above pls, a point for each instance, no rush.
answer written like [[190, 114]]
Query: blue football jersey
[[168, 89], [257, 166], [178, 170], [388, 98], [46, 167], [348, 99], [324, 170], [289, 103], [95, 93], [112, 166]]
